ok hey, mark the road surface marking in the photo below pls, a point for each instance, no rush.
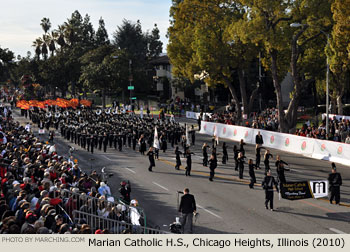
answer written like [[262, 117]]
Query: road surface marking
[[130, 170], [106, 158], [113, 160], [161, 186], [210, 212], [337, 231]]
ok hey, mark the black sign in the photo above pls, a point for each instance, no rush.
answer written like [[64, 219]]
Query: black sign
[[296, 190]]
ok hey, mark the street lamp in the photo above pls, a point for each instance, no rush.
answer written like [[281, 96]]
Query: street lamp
[[296, 25]]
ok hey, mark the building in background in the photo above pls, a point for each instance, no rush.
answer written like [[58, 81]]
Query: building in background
[[164, 80]]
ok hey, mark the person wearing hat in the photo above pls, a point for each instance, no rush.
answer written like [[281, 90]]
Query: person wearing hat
[[104, 189], [150, 155], [335, 181], [135, 216], [268, 183]]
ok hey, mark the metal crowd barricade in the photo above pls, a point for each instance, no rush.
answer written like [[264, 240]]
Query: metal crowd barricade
[[113, 226], [88, 204]]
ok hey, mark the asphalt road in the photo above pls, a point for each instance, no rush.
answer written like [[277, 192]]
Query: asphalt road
[[226, 205]]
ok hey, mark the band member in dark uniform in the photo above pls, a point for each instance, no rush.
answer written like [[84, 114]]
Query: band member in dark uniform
[[142, 143], [178, 159], [268, 183], [335, 181], [92, 143], [267, 161], [280, 169], [134, 140], [241, 147], [150, 155], [188, 162], [224, 153], [252, 168], [258, 155], [205, 154], [241, 158], [235, 156], [212, 166]]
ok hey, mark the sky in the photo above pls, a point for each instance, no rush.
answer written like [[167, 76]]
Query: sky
[[20, 19]]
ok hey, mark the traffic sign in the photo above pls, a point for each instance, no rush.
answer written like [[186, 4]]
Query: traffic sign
[[131, 87], [133, 98]]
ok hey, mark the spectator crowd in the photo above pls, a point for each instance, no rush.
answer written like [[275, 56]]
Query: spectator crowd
[[40, 190]]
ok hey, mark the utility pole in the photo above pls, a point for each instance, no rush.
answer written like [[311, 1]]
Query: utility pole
[[130, 81]]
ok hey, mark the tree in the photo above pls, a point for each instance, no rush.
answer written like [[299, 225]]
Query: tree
[[101, 34], [203, 39], [339, 51], [155, 46], [45, 24], [52, 42], [130, 38], [133, 44], [6, 58], [96, 71], [37, 44]]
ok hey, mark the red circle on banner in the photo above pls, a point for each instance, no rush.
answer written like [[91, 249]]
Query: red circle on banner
[[286, 143], [235, 132], [246, 134], [303, 145], [340, 150], [272, 139], [205, 127], [224, 131], [323, 147]]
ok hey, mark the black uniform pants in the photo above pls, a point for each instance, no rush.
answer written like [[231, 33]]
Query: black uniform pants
[[105, 147], [188, 170], [269, 198], [205, 159], [252, 180], [212, 173], [241, 172], [257, 161], [335, 194]]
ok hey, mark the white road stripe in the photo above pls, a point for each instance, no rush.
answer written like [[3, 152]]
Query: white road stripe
[[106, 158], [210, 212], [161, 186], [130, 170], [113, 160], [337, 231]]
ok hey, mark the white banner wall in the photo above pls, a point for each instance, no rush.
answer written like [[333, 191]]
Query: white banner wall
[[338, 117], [318, 149], [332, 151]]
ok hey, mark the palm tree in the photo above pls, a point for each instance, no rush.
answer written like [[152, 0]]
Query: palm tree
[[44, 51], [45, 24], [37, 44], [52, 42]]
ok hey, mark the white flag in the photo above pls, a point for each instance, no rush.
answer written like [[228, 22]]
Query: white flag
[[155, 139], [187, 137]]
